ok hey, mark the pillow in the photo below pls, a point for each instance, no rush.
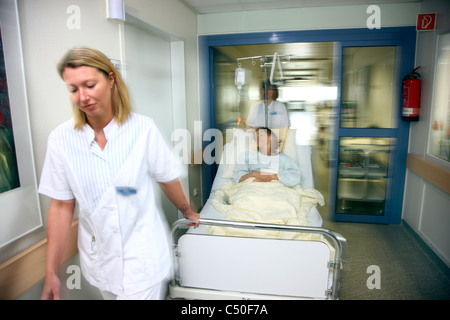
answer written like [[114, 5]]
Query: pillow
[[286, 137], [301, 155]]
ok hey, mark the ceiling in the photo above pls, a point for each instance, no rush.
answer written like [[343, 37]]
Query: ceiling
[[218, 6]]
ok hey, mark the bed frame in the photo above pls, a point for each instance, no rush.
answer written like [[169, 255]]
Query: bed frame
[[221, 267]]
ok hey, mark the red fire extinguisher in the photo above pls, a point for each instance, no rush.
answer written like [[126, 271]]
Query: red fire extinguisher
[[411, 96]]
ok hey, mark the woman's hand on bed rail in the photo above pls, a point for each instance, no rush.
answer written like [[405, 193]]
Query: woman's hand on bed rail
[[175, 193], [193, 216]]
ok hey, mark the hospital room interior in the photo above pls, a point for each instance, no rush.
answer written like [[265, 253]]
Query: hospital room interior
[[379, 175]]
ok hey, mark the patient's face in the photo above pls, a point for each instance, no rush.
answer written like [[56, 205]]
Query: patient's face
[[263, 142]]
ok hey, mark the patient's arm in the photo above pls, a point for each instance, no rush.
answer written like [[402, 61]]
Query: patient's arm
[[289, 173], [259, 176]]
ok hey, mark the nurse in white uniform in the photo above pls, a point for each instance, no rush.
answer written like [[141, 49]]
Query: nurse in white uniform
[[277, 113], [105, 159]]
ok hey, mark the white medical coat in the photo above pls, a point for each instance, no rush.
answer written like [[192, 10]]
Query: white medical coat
[[122, 240], [278, 115]]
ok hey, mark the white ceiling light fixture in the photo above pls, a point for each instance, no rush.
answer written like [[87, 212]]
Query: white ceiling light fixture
[[115, 10]]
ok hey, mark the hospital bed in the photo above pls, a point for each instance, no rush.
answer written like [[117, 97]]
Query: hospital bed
[[210, 266]]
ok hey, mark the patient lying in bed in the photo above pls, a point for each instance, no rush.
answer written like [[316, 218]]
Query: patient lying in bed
[[267, 164], [265, 189]]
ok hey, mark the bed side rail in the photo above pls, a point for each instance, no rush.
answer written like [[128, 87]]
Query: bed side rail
[[337, 240]]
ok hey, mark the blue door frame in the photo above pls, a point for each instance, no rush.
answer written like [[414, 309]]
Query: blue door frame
[[403, 37]]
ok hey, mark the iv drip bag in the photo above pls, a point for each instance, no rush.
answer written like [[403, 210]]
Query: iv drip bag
[[239, 79]]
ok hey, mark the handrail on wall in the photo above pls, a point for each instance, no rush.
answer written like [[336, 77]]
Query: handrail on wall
[[429, 171]]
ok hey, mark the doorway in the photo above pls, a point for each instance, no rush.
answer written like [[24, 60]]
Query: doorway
[[328, 121]]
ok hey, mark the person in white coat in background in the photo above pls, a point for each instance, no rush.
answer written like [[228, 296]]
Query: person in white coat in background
[[104, 159], [278, 116]]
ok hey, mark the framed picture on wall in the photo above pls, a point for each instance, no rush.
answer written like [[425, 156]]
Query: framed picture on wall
[[19, 202], [9, 173]]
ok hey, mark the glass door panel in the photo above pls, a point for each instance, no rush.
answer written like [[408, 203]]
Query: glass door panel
[[368, 124], [363, 175], [368, 97]]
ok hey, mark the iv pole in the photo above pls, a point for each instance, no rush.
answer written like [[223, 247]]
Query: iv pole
[[266, 100], [275, 62]]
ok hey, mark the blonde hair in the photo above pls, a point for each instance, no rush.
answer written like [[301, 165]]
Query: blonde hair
[[84, 56]]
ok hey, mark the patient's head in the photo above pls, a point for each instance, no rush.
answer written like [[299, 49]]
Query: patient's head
[[267, 141]]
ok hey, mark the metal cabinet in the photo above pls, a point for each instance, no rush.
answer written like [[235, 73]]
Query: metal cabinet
[[363, 175]]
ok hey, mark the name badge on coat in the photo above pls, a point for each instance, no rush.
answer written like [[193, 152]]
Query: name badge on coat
[[126, 191]]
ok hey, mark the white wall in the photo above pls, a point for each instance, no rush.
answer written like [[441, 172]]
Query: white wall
[[426, 206], [174, 18], [333, 17]]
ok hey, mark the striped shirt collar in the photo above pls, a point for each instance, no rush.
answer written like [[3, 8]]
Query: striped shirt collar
[[108, 130]]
